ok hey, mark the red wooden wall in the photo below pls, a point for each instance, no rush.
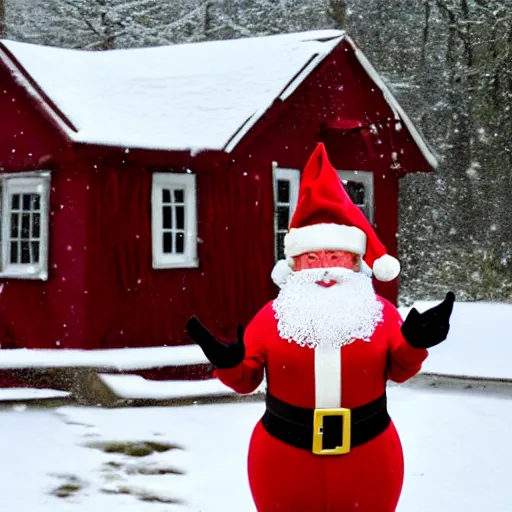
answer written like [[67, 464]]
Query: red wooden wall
[[36, 313]]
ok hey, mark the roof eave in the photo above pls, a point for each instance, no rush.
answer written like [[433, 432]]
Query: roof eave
[[146, 155]]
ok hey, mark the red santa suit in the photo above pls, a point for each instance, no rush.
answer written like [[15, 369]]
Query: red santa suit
[[284, 477], [288, 479]]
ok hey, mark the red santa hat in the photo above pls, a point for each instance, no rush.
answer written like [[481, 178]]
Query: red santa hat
[[327, 219]]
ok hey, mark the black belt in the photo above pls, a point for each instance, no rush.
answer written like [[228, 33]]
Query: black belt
[[325, 431]]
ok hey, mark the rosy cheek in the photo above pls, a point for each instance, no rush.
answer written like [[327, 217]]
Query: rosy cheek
[[303, 262]]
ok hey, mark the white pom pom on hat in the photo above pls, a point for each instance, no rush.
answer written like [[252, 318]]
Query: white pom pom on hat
[[386, 268]]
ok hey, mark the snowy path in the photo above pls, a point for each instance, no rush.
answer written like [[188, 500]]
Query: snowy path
[[457, 447]]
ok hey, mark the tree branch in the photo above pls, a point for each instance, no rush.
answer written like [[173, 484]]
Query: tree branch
[[426, 29]]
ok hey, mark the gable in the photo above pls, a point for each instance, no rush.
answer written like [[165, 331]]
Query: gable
[[340, 104], [27, 140]]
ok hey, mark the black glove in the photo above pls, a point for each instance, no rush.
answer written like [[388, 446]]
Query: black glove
[[220, 354], [430, 328]]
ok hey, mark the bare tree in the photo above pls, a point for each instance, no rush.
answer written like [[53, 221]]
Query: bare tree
[[450, 64], [2, 18]]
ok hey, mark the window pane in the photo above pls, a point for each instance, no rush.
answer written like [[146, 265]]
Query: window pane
[[280, 244], [167, 220], [14, 252], [35, 251], [167, 242], [180, 217], [166, 195], [283, 217], [26, 201], [180, 243], [15, 201], [25, 252], [36, 202], [283, 191], [36, 225], [25, 225], [356, 192], [14, 225], [178, 196]]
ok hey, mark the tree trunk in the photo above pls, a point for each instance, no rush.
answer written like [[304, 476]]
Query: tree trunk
[[338, 12], [426, 33], [2, 18]]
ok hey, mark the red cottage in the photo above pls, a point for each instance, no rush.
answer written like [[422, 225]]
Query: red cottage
[[141, 186]]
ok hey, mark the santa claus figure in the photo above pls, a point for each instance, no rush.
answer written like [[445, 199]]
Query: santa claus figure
[[328, 344]]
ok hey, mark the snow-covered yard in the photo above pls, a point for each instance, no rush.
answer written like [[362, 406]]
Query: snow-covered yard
[[456, 443], [193, 458]]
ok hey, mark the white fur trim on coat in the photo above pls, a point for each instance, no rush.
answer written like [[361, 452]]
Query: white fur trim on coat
[[324, 237], [386, 268]]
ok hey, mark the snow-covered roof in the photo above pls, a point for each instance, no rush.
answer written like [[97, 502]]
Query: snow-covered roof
[[179, 97]]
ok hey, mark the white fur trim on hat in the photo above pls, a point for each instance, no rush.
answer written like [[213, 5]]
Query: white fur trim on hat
[[280, 272], [324, 237], [386, 268]]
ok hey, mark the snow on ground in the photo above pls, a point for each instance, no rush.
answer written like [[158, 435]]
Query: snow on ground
[[479, 343], [457, 448], [12, 394]]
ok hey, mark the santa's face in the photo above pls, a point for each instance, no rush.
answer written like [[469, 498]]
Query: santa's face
[[327, 259], [338, 314]]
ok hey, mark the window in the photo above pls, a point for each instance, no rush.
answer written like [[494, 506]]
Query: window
[[174, 220], [359, 185], [24, 229], [286, 193]]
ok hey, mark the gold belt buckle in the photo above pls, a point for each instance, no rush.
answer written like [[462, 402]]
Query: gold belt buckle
[[318, 431]]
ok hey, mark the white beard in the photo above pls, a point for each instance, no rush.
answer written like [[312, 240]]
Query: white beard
[[312, 315]]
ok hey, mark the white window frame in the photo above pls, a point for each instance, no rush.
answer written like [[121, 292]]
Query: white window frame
[[187, 182], [365, 178], [37, 182], [293, 177]]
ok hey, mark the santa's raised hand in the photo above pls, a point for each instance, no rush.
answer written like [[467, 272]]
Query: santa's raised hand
[[428, 329], [221, 354]]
